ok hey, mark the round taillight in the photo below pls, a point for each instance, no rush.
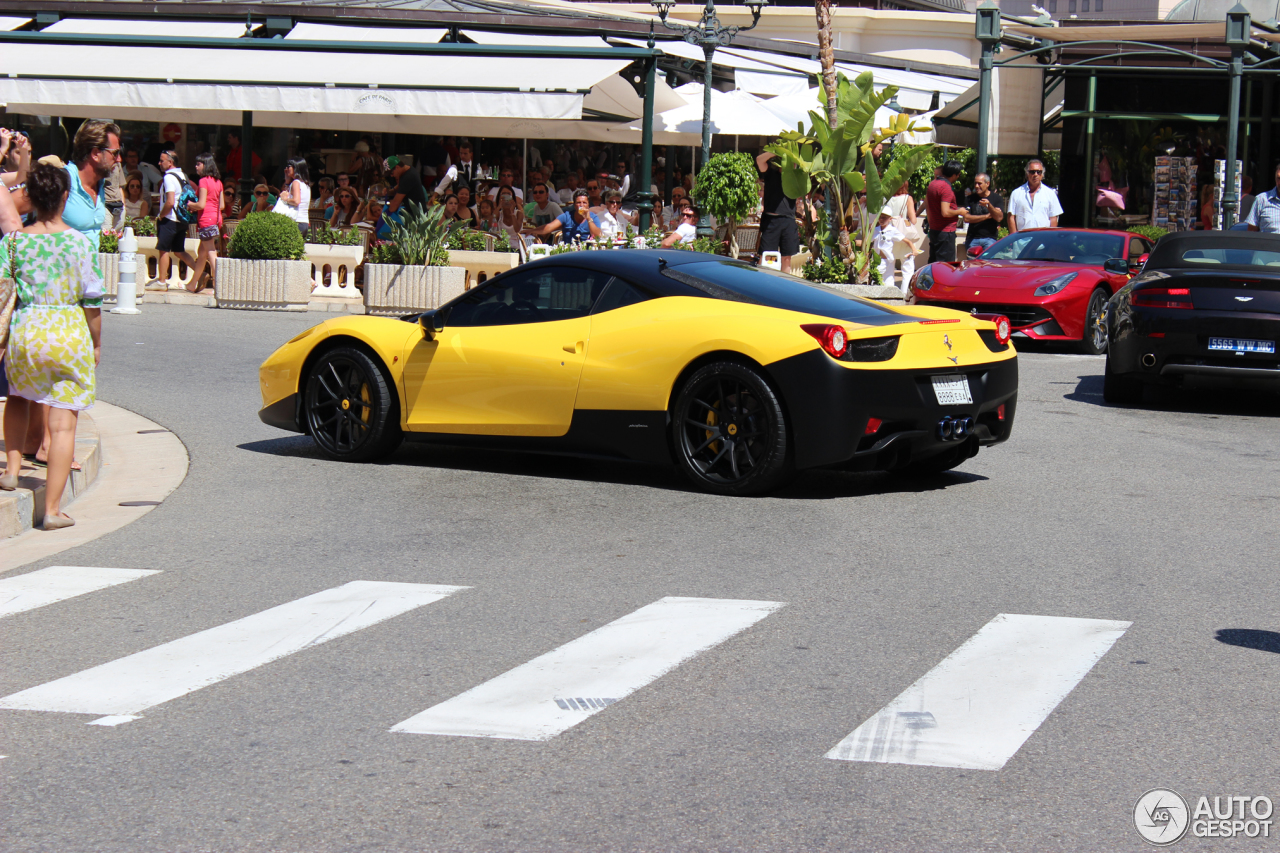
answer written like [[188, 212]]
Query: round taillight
[[838, 341], [1002, 329]]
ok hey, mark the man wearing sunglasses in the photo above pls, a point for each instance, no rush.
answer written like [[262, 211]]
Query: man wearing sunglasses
[[1034, 204], [542, 209], [95, 154], [686, 231]]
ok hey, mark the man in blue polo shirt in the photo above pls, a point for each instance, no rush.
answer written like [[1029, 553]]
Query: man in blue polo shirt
[[94, 154], [578, 225]]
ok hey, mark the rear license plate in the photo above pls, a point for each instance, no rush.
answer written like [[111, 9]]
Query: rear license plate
[[1241, 345], [952, 390]]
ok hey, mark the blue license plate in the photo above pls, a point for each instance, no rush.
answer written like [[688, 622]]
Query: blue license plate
[[1241, 345]]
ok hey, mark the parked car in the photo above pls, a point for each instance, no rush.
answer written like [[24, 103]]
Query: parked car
[[1205, 308], [735, 374], [1052, 283]]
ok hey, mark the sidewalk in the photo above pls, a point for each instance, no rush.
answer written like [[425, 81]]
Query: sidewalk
[[130, 465], [328, 304]]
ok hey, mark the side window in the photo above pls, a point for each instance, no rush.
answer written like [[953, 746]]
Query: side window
[[620, 294], [1137, 248], [540, 295]]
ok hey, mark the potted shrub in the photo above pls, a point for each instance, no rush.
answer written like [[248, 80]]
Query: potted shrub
[[726, 188], [411, 272], [109, 260], [265, 268], [341, 252], [470, 250]]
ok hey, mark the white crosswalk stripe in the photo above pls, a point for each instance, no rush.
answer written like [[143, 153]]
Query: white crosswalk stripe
[[20, 593], [976, 708], [123, 688], [552, 693]]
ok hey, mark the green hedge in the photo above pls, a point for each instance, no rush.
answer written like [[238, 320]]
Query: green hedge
[[266, 236]]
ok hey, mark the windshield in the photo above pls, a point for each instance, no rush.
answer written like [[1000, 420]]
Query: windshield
[[1232, 257], [1067, 247], [767, 287]]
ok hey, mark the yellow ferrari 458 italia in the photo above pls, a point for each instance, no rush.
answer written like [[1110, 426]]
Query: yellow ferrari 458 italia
[[737, 375]]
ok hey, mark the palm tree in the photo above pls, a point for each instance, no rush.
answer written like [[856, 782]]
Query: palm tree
[[827, 56]]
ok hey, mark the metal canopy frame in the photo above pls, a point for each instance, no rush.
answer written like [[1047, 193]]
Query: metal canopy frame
[[1237, 38]]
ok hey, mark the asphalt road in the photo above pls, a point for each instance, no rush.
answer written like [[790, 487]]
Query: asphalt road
[[1163, 516]]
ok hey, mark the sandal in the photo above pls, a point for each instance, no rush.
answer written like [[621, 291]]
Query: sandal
[[58, 521], [40, 463]]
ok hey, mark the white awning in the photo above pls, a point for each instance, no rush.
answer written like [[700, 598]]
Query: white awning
[[1160, 33], [684, 50], [7, 23], [146, 27], [1016, 114], [915, 89], [758, 83], [531, 40], [305, 31], [793, 109]]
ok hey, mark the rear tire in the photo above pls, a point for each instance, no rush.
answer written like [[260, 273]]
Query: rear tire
[[729, 432], [1095, 328], [1119, 389], [348, 407]]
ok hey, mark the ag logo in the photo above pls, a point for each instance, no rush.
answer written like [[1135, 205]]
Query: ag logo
[[1161, 816]]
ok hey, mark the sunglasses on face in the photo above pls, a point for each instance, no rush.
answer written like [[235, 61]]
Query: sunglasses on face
[[135, 186], [260, 195], [1035, 171], [114, 152], [615, 201]]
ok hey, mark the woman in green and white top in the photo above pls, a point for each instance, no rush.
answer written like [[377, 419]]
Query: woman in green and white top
[[55, 336]]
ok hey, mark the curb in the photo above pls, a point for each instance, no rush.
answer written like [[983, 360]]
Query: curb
[[325, 304], [23, 508], [139, 463]]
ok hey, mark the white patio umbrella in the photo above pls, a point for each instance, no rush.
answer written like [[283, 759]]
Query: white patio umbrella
[[793, 109], [736, 113]]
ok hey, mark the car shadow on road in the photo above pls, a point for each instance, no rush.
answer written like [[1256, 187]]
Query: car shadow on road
[[819, 484], [1250, 638], [1192, 400]]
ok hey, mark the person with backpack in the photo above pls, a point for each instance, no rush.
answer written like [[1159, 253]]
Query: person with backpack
[[174, 217]]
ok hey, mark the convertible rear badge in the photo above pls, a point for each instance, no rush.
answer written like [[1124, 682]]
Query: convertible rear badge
[[1244, 299]]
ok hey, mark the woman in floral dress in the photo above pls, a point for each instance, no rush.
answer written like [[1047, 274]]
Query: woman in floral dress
[[56, 332]]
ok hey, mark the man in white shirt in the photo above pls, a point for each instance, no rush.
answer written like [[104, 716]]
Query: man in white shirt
[[671, 213], [686, 232], [505, 177], [1034, 204], [613, 221], [171, 232], [541, 210]]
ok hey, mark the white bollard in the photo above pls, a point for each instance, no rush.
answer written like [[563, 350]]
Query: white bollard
[[127, 289]]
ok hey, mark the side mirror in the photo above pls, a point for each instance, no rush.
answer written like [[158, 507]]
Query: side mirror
[[1135, 267], [1116, 266], [975, 251], [431, 322]]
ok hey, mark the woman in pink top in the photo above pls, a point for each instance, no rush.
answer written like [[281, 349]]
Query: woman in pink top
[[209, 222]]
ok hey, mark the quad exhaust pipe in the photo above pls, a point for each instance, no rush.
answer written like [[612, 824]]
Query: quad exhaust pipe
[[955, 429], [1149, 360]]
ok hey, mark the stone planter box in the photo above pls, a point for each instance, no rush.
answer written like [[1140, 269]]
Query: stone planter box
[[341, 263], [110, 264], [482, 266], [149, 260], [393, 290], [263, 285], [880, 293]]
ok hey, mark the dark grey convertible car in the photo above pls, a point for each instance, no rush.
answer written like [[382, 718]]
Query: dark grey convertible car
[[1206, 307]]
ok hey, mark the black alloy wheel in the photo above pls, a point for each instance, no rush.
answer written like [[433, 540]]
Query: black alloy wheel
[[349, 409], [729, 431], [1095, 324]]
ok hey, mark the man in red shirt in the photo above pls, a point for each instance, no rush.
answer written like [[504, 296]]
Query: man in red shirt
[[940, 203], [235, 160]]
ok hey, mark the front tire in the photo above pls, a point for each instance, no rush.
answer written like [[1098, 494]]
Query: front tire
[[349, 409], [1119, 389], [729, 432], [1095, 327]]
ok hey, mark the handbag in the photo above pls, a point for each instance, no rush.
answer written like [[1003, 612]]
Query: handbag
[[8, 294]]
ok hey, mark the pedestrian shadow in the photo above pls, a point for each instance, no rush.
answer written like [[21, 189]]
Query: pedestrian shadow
[[1088, 390], [1250, 638], [819, 484]]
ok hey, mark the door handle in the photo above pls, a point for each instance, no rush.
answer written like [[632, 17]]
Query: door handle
[[573, 349]]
